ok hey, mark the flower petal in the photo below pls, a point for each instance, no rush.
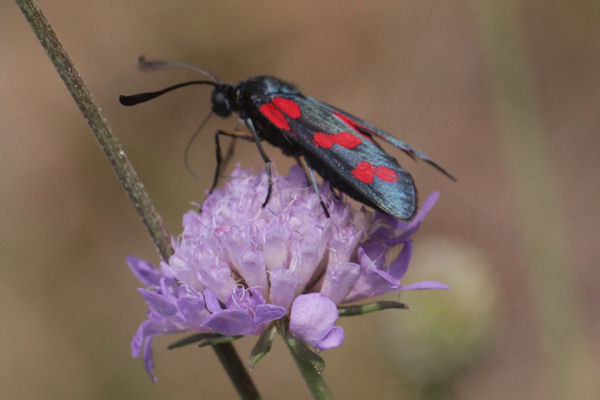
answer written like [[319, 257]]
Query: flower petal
[[231, 322], [411, 227], [137, 341], [399, 266], [268, 313], [333, 338], [306, 258], [169, 288], [275, 248], [372, 281], [212, 302], [312, 318], [339, 280], [297, 176], [217, 276], [158, 303], [283, 286], [144, 271], [149, 359], [142, 341], [243, 299], [193, 309], [252, 267]]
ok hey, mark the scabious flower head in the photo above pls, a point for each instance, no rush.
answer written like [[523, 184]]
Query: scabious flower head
[[237, 266]]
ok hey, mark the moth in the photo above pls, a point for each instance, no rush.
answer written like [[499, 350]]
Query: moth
[[342, 148]]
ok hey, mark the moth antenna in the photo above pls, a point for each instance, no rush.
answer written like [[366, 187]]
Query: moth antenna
[[155, 65], [143, 97], [186, 152]]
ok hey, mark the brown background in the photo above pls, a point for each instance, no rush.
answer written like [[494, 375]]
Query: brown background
[[68, 304]]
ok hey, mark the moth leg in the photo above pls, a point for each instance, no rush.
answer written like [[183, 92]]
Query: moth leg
[[220, 161], [266, 159], [229, 152], [313, 182]]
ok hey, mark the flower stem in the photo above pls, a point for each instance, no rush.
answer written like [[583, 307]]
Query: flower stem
[[123, 168], [230, 360]]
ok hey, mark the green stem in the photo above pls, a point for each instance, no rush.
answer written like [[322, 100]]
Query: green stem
[[123, 168], [230, 360]]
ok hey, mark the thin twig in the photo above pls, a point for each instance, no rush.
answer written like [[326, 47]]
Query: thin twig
[[123, 168], [99, 125]]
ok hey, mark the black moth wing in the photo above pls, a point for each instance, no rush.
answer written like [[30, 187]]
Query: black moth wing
[[358, 166], [368, 129]]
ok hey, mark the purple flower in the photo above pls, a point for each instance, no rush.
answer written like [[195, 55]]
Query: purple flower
[[237, 267]]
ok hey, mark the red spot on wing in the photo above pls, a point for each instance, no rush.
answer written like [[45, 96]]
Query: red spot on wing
[[288, 106], [364, 172], [274, 115], [323, 140], [386, 174], [344, 139], [347, 140]]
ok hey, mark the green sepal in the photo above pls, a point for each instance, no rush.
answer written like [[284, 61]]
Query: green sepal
[[305, 353], [347, 311], [206, 339], [262, 346], [198, 337], [219, 340]]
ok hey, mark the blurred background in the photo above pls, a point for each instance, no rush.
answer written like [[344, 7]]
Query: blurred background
[[505, 95]]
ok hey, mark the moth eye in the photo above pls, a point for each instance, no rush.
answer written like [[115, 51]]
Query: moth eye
[[219, 98]]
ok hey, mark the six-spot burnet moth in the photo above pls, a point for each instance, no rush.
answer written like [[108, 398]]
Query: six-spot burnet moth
[[339, 146]]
